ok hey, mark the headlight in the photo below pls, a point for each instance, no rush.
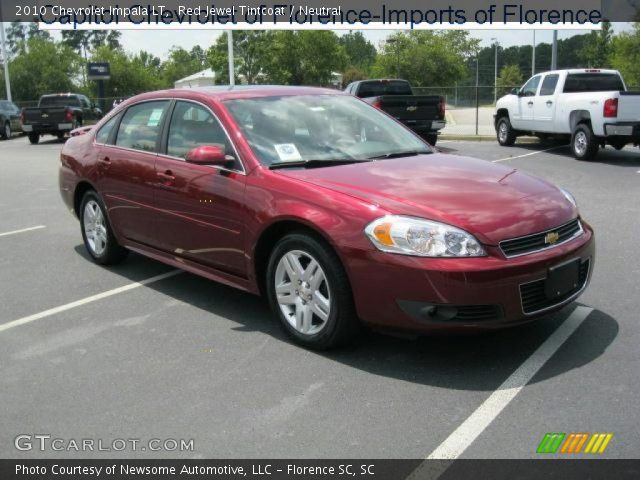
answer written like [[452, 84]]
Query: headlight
[[569, 197], [424, 238]]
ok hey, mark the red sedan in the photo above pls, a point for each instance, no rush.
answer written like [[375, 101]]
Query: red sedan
[[329, 207]]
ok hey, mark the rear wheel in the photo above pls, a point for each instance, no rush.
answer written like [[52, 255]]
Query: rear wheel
[[431, 138], [34, 138], [97, 233], [6, 131], [583, 142], [309, 291], [505, 133]]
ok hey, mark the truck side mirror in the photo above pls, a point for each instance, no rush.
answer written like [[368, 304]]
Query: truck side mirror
[[515, 91]]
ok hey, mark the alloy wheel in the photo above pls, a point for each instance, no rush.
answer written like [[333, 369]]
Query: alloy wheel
[[95, 227], [580, 143]]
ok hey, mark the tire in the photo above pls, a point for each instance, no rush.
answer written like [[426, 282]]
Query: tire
[[505, 133], [584, 144], [60, 135], [97, 233], [314, 303], [431, 138], [6, 131], [34, 138]]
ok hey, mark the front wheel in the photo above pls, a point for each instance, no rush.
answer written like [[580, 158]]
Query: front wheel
[[505, 133], [97, 233], [34, 138], [583, 142], [309, 291]]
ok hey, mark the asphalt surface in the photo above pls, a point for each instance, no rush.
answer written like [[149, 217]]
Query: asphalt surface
[[186, 358]]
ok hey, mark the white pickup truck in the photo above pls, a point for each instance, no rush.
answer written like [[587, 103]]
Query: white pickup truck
[[591, 106]]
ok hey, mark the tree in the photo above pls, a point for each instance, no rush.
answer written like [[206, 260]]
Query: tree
[[625, 55], [182, 63], [250, 51], [595, 51], [360, 52], [427, 58], [510, 76], [33, 72], [16, 36], [352, 74]]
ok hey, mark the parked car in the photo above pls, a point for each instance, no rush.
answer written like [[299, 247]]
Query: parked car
[[9, 119], [337, 213], [424, 114], [592, 106], [58, 114]]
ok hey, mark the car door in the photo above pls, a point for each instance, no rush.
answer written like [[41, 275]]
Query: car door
[[523, 120], [126, 168], [200, 207], [14, 114], [545, 107]]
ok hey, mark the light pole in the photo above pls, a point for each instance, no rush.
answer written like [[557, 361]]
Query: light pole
[[232, 70], [5, 61], [397, 44], [495, 72], [554, 51]]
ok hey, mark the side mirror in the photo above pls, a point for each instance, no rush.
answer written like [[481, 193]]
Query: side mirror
[[515, 91], [207, 155]]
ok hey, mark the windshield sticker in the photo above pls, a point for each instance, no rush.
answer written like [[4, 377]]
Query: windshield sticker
[[287, 152], [154, 118]]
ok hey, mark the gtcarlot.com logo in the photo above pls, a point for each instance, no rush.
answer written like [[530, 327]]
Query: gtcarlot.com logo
[[45, 442], [574, 443]]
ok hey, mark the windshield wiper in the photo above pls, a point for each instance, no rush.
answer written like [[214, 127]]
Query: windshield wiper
[[315, 163], [408, 153]]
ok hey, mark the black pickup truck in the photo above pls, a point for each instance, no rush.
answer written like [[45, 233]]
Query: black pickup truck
[[58, 114], [424, 114]]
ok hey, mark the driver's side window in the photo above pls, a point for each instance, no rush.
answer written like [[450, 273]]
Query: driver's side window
[[531, 87]]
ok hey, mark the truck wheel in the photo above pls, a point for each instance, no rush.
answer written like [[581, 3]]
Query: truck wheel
[[34, 138], [505, 132], [431, 138], [309, 291], [583, 142], [6, 131]]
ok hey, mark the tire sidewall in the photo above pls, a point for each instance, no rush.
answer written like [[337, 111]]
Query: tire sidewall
[[589, 153], [6, 131], [308, 244], [509, 140], [92, 195]]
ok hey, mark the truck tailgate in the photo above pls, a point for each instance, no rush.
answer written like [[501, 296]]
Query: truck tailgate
[[629, 107], [411, 107], [44, 116]]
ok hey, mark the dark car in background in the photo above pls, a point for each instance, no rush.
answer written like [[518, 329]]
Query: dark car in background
[[58, 114], [424, 114], [9, 119]]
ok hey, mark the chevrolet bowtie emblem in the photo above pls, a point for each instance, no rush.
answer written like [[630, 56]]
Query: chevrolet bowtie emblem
[[44, 115], [411, 109], [551, 238]]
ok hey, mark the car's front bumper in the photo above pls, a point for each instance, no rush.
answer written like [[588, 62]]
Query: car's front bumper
[[422, 294]]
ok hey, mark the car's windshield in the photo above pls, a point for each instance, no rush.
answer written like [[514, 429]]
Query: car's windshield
[[320, 128]]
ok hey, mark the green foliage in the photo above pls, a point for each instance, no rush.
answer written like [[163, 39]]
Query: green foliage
[[426, 58], [182, 63], [44, 66], [625, 55], [352, 74], [250, 50], [361, 53], [595, 51], [510, 76]]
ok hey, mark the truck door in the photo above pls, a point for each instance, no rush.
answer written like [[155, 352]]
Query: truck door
[[526, 104], [545, 105]]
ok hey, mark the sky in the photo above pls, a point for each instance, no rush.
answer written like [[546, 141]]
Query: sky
[[159, 43]]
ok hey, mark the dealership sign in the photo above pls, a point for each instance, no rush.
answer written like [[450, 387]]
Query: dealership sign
[[98, 71]]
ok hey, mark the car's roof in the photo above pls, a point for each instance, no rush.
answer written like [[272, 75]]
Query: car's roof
[[226, 92], [582, 70]]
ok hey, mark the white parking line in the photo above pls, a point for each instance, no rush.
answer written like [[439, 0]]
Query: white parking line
[[21, 231], [526, 154], [84, 301], [487, 412]]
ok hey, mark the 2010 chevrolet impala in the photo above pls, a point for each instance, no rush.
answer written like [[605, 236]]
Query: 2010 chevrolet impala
[[329, 207]]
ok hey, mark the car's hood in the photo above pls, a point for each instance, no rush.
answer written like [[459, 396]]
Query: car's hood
[[493, 202]]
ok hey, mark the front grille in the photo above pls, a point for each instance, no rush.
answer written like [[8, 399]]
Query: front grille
[[536, 242], [534, 299]]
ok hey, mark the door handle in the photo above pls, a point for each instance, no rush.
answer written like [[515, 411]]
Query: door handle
[[106, 160], [549, 103], [530, 103], [166, 177]]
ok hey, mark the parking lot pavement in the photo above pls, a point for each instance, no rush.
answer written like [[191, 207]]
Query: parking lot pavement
[[186, 358]]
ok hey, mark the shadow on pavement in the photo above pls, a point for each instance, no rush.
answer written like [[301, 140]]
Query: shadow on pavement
[[477, 362]]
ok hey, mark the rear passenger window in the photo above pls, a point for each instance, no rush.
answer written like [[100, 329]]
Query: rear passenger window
[[102, 136], [141, 124], [191, 126], [549, 84]]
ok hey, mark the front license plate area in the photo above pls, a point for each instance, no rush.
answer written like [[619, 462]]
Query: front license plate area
[[562, 279]]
